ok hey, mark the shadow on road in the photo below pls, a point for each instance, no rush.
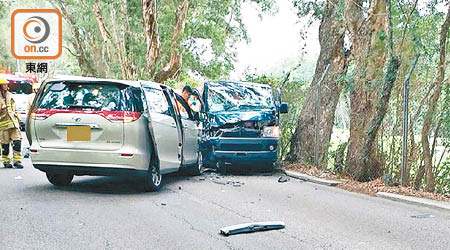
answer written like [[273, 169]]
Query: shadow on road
[[110, 184]]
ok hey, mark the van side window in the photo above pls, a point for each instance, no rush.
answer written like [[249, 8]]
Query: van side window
[[157, 101], [183, 108]]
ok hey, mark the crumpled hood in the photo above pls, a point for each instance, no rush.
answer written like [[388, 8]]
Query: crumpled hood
[[218, 119]]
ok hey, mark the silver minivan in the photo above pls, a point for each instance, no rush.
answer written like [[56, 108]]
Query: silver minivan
[[90, 126]]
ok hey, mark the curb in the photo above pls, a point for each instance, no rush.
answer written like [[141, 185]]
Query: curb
[[415, 200], [309, 178]]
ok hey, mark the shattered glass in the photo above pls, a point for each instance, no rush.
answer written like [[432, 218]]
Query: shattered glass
[[230, 103], [228, 96]]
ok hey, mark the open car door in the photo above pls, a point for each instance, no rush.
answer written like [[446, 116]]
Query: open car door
[[165, 128], [190, 132]]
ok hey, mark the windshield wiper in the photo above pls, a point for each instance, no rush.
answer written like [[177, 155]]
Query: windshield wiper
[[252, 227], [82, 107], [247, 106]]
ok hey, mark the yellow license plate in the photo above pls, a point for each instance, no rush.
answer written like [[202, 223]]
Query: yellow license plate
[[78, 133]]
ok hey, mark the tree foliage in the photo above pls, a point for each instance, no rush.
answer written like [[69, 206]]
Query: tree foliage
[[195, 36]]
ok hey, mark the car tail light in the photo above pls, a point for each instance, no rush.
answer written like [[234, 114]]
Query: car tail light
[[42, 114], [126, 155], [33, 150], [113, 116], [130, 116]]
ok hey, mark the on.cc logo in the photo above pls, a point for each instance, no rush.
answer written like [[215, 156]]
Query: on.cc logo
[[36, 34]]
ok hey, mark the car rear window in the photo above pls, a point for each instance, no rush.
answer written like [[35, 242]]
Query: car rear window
[[76, 95]]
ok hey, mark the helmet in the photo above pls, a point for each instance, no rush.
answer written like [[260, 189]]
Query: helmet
[[3, 81]]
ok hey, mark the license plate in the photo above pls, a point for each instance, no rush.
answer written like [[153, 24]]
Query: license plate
[[78, 133]]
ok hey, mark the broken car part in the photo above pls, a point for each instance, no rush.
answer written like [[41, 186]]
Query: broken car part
[[252, 227]]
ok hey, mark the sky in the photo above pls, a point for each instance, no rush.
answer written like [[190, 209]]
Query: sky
[[274, 40]]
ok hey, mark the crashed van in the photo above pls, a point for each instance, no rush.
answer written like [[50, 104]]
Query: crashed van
[[241, 124]]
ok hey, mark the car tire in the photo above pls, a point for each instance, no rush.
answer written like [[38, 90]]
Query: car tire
[[221, 167], [153, 179], [267, 167], [198, 168], [59, 179]]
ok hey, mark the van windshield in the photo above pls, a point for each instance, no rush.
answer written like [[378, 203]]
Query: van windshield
[[229, 96], [20, 87], [73, 95]]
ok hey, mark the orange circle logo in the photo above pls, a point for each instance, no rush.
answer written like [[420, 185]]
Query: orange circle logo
[[36, 29]]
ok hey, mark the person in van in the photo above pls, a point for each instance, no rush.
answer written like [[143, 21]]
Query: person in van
[[9, 128], [191, 99]]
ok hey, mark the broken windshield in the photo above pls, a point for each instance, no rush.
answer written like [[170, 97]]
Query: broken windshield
[[229, 96]]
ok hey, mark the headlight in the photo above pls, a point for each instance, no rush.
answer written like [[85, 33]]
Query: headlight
[[271, 131]]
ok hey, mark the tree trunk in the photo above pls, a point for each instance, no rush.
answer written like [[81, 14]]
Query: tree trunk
[[414, 146], [369, 52], [173, 67], [149, 16], [106, 53], [82, 58], [332, 53], [428, 120]]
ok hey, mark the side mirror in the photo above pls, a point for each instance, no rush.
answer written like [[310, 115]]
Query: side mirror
[[284, 108]]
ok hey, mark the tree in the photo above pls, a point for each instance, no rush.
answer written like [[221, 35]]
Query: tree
[[331, 66], [369, 141], [368, 37], [432, 103], [155, 40]]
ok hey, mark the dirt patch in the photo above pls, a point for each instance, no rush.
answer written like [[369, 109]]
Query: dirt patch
[[369, 188]]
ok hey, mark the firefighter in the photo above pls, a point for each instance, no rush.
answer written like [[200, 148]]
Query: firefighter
[[9, 127]]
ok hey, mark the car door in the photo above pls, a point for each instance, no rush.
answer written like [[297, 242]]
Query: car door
[[191, 132], [165, 129]]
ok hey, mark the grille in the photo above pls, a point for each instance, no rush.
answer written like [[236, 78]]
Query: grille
[[240, 147]]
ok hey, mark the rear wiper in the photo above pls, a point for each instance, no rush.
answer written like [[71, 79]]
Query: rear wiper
[[82, 107]]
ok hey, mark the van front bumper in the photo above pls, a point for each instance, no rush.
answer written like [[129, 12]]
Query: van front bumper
[[243, 150]]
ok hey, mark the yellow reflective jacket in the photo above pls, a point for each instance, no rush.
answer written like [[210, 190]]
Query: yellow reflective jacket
[[9, 118]]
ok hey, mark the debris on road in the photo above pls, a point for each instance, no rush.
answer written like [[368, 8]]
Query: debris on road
[[229, 182], [422, 216], [18, 178], [219, 182], [283, 179], [252, 227], [235, 183]]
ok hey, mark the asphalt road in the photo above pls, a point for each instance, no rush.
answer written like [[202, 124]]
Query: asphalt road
[[113, 213]]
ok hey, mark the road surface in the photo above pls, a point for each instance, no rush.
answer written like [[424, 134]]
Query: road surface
[[113, 213]]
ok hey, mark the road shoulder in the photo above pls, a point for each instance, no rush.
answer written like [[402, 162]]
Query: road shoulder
[[415, 200]]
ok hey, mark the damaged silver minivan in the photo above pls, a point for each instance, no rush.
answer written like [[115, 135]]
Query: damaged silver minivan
[[89, 126]]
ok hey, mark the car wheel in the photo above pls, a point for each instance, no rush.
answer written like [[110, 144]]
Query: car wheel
[[198, 168], [59, 179], [221, 167], [153, 180], [267, 167]]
